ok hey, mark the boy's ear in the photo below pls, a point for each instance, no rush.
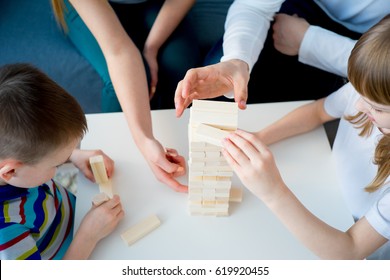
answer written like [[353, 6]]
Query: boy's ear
[[8, 168]]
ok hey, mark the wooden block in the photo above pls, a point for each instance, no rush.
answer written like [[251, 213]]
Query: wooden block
[[100, 198], [141, 229], [215, 105], [213, 154], [211, 134], [235, 194], [100, 174], [98, 169], [107, 188], [227, 123]]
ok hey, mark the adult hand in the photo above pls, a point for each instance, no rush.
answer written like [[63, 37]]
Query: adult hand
[[213, 81], [80, 158], [166, 164], [151, 58], [288, 33], [253, 163]]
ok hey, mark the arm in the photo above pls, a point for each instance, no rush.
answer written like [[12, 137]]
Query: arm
[[331, 51], [99, 222], [255, 166], [171, 14], [315, 46], [246, 28], [127, 73], [298, 121]]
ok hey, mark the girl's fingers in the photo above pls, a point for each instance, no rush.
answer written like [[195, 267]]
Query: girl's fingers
[[235, 152], [245, 147], [256, 143]]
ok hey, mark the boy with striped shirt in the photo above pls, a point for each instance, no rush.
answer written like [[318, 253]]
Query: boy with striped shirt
[[40, 127]]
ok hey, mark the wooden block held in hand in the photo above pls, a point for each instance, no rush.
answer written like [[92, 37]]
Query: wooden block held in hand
[[141, 229], [98, 169], [100, 198], [211, 134], [100, 174]]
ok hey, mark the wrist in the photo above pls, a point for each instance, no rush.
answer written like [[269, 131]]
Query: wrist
[[240, 64]]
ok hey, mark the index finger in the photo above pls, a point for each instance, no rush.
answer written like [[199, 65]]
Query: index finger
[[260, 146], [179, 100]]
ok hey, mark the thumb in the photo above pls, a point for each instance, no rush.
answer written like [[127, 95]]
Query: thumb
[[241, 96], [167, 166]]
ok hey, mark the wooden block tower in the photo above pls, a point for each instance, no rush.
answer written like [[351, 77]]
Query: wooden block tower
[[209, 181]]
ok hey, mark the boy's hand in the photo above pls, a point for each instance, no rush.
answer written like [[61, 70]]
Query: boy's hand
[[80, 158], [101, 220]]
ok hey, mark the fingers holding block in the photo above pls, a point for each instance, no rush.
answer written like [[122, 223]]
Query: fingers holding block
[[98, 169], [141, 229], [100, 174], [211, 134], [100, 198]]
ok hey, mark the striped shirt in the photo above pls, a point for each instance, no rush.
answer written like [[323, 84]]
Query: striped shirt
[[36, 223]]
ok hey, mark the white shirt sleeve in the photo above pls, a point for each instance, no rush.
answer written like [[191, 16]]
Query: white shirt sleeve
[[326, 50], [246, 27], [336, 103], [379, 214]]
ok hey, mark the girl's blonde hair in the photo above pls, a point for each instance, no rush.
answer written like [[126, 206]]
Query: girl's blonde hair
[[369, 73], [58, 9]]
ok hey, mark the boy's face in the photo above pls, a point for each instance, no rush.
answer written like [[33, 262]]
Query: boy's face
[[28, 176], [377, 113]]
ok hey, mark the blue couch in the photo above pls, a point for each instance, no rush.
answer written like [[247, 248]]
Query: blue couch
[[29, 33]]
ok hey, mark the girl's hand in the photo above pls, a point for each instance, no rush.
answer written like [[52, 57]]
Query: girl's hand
[[253, 163]]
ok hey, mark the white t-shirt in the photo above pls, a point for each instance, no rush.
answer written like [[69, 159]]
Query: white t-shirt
[[353, 156], [248, 21]]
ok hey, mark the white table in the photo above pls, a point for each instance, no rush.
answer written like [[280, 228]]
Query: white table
[[251, 231]]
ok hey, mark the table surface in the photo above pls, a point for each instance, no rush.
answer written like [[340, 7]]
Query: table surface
[[251, 231]]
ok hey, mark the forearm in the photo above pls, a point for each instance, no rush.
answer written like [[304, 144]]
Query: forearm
[[130, 84], [299, 121], [80, 248], [323, 240], [171, 14], [246, 28], [326, 50], [124, 64]]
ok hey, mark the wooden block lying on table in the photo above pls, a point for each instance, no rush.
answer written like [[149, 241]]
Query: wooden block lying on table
[[235, 194], [141, 229]]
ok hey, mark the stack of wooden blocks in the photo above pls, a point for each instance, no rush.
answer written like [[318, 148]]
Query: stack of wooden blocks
[[209, 182]]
